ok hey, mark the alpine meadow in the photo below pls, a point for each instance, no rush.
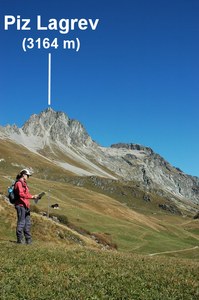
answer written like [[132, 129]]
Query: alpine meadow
[[116, 222]]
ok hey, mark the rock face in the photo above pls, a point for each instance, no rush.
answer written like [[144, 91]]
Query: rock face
[[58, 127], [129, 162], [141, 164]]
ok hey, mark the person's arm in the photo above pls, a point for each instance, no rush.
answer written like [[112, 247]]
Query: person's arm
[[23, 195]]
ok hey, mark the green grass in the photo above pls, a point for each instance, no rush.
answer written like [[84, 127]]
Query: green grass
[[47, 271]]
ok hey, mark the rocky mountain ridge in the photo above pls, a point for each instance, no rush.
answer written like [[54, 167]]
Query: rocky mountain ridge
[[58, 127], [130, 162]]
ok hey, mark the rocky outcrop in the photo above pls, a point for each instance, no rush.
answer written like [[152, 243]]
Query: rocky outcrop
[[140, 163], [170, 208], [58, 127], [133, 147]]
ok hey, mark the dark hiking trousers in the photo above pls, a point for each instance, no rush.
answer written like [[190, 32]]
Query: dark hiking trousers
[[23, 224]]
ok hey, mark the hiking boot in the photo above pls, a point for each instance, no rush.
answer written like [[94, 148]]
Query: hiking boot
[[20, 242], [29, 242]]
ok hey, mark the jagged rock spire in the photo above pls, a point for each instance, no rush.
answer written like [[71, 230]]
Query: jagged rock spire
[[58, 127]]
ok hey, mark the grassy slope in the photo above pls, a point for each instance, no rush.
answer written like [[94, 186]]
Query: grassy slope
[[43, 229], [50, 271], [73, 268], [133, 231]]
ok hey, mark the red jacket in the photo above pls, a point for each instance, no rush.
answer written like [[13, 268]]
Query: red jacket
[[21, 189]]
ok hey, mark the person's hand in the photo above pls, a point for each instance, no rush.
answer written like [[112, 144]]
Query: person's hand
[[35, 196]]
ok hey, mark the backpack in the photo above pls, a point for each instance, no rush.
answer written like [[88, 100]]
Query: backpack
[[11, 193]]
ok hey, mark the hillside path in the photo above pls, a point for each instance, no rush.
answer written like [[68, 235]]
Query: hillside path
[[174, 251]]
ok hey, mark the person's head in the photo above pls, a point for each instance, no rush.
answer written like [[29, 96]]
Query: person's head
[[25, 173]]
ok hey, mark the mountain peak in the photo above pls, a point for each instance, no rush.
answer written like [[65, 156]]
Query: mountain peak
[[58, 127], [133, 162], [47, 127]]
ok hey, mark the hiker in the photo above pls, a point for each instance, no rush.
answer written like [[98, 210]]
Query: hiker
[[22, 206]]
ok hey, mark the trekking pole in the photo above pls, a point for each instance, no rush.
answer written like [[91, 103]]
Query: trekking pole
[[48, 203]]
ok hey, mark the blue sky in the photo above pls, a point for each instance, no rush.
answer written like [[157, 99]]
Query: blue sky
[[134, 80]]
